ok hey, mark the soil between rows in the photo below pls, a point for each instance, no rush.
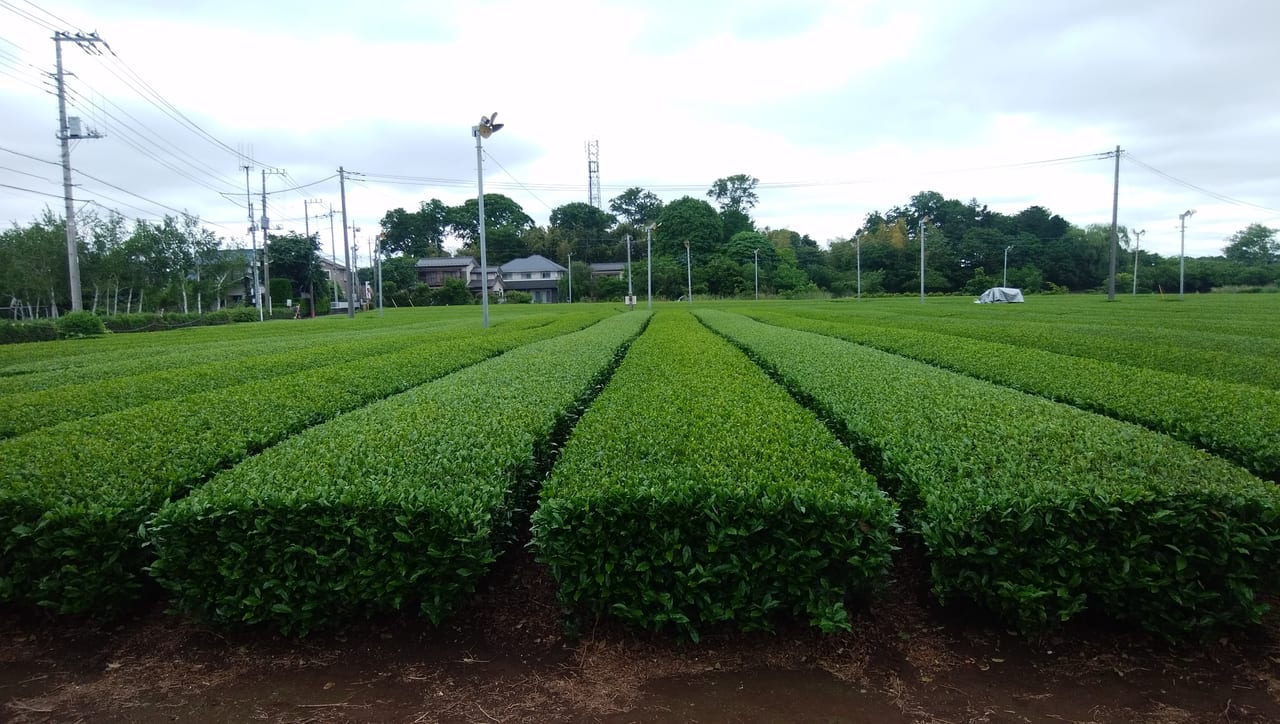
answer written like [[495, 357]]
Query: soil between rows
[[506, 658]]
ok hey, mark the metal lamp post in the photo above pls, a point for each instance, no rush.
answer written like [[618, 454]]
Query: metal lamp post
[[1005, 282], [923, 221], [487, 127], [857, 245], [1137, 243], [630, 298], [756, 254], [648, 258], [571, 277], [1182, 252], [688, 265]]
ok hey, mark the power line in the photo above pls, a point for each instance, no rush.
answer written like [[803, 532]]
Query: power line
[[31, 191], [513, 178], [1193, 187], [28, 16]]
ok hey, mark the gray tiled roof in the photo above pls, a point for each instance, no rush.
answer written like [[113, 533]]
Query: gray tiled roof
[[445, 262], [535, 263]]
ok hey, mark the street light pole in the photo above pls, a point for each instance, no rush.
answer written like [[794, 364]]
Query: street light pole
[[648, 258], [756, 253], [571, 277], [1136, 244], [688, 265], [857, 245], [1182, 252], [487, 127], [630, 304], [922, 223], [379, 253], [1005, 283]]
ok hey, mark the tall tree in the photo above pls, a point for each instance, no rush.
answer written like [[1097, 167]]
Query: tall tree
[[1255, 244], [737, 192], [499, 211], [419, 233], [585, 228], [688, 219], [297, 258], [636, 206]]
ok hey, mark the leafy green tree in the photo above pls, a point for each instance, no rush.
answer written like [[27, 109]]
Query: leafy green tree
[[297, 258], [499, 211], [636, 206], [33, 267], [419, 233], [737, 192], [735, 221], [688, 219], [585, 228], [1255, 244], [454, 292]]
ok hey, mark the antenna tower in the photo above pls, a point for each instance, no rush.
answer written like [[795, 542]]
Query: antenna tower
[[593, 173]]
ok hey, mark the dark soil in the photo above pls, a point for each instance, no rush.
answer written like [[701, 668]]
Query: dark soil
[[506, 658]]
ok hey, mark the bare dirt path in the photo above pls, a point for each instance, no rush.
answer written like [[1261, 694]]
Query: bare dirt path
[[506, 659]]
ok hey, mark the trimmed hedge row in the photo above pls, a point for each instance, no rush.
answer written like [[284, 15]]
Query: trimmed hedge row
[[696, 492], [404, 503], [1039, 510], [1238, 422], [110, 357], [24, 412], [1169, 351], [72, 496]]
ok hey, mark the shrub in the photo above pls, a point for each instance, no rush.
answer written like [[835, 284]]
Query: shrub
[[34, 331], [1038, 510], [674, 507], [518, 297], [72, 496], [79, 324], [404, 503]]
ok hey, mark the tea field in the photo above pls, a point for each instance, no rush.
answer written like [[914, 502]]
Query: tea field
[[726, 464]]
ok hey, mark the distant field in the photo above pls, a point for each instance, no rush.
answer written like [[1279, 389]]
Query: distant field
[[1062, 455]]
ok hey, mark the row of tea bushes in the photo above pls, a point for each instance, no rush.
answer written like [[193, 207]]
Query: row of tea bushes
[[1238, 422], [21, 413], [1034, 509], [1174, 351], [72, 496], [696, 492], [107, 358], [402, 504]]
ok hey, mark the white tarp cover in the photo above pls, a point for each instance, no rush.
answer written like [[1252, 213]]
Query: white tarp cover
[[1000, 294]]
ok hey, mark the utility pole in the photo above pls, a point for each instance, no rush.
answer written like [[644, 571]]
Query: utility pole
[[630, 299], [378, 255], [1182, 252], [857, 245], [648, 259], [333, 256], [1136, 244], [253, 234], [923, 221], [755, 253], [571, 277], [1115, 231], [1005, 281], [688, 265], [266, 225], [346, 248], [68, 129]]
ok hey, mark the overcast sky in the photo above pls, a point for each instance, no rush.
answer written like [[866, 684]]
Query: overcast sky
[[839, 108]]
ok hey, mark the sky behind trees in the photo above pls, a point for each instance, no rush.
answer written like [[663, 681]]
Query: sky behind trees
[[840, 109]]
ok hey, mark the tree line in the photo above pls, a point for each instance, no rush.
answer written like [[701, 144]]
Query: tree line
[[177, 264]]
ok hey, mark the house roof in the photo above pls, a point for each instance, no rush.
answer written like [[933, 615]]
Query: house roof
[[535, 263], [445, 262], [525, 285]]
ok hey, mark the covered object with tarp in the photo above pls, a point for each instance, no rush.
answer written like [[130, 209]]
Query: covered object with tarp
[[995, 295]]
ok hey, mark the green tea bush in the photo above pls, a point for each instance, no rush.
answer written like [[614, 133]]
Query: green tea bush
[[402, 504], [696, 492], [72, 496], [79, 324], [1038, 510], [33, 331], [1238, 422]]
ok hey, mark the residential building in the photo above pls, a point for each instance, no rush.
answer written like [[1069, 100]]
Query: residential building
[[614, 269], [435, 271], [537, 275]]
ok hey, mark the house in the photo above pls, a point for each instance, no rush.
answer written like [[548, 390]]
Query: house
[[537, 275], [614, 269], [435, 271]]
